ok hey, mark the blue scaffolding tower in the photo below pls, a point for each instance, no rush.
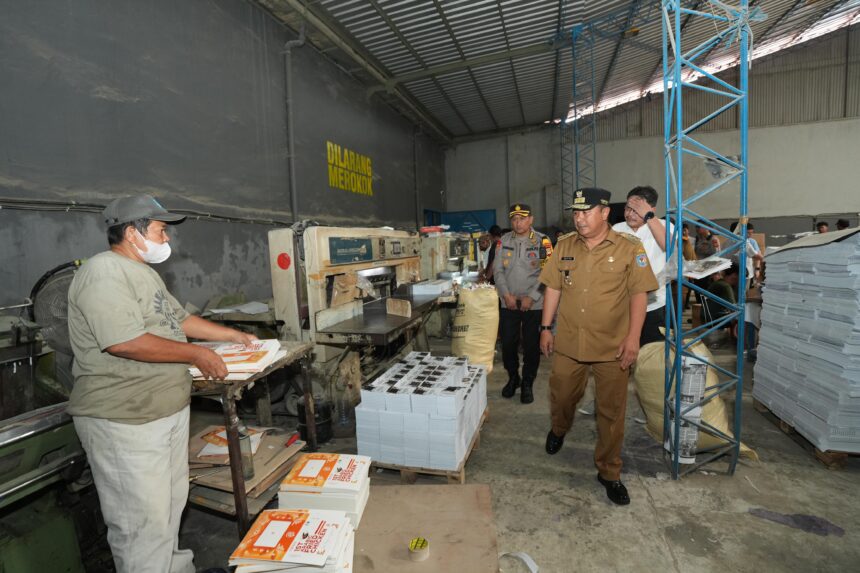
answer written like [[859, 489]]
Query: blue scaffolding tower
[[579, 137], [681, 67]]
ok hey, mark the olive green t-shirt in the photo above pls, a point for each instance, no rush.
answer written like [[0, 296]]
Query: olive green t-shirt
[[114, 299]]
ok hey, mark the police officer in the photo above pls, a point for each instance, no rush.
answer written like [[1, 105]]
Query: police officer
[[516, 268], [598, 280]]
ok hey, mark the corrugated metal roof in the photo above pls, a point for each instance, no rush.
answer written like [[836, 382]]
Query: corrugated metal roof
[[474, 67]]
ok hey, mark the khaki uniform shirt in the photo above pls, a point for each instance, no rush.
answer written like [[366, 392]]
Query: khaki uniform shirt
[[518, 264], [596, 285], [114, 299]]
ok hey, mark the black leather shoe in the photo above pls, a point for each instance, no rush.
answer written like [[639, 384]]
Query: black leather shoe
[[526, 394], [553, 443], [615, 490], [511, 387]]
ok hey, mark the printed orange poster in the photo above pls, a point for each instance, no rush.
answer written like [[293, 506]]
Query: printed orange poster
[[271, 535], [311, 470]]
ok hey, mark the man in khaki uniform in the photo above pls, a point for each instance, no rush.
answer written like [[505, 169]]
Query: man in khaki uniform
[[598, 280]]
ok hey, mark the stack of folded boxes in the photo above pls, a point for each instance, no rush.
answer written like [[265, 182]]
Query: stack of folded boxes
[[423, 412], [808, 368]]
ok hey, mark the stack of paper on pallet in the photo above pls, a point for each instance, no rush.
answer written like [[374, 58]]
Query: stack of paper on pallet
[[242, 360], [808, 369], [298, 541], [423, 412], [328, 481]]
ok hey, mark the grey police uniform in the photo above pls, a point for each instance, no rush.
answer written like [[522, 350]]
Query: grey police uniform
[[517, 271], [518, 264]]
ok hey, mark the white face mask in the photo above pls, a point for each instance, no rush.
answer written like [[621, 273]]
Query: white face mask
[[155, 252]]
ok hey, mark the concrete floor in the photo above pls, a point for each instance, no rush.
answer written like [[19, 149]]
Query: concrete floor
[[552, 507]]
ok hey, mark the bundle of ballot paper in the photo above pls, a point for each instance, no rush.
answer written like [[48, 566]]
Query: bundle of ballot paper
[[328, 481], [298, 541], [423, 412], [808, 368]]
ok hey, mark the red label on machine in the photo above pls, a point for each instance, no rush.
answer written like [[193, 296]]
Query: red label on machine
[[284, 261]]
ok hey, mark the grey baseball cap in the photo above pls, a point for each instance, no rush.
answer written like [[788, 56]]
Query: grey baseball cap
[[126, 209]]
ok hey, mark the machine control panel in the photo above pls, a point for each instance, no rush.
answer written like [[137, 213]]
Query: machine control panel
[[350, 250]]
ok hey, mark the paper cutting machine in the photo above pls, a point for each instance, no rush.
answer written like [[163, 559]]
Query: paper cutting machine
[[319, 275]]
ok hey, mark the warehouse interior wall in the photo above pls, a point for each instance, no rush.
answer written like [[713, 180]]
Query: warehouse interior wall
[[186, 101], [798, 174], [804, 134]]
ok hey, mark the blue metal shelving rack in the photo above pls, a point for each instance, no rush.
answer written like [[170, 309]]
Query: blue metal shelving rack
[[680, 64]]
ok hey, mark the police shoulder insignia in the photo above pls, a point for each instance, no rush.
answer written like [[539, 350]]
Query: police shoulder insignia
[[642, 260], [547, 245]]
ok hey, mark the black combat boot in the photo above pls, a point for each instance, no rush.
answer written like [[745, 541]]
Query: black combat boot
[[526, 394], [511, 387]]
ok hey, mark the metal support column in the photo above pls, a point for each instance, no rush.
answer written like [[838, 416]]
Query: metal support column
[[680, 67], [584, 136], [579, 137]]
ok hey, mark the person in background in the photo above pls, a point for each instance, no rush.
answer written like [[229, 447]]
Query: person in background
[[517, 268], [689, 250], [483, 256], [130, 401], [754, 256], [495, 235], [706, 245], [822, 227], [689, 254], [641, 221], [842, 224], [724, 287]]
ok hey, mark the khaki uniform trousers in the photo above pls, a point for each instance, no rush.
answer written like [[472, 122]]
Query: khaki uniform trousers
[[567, 383]]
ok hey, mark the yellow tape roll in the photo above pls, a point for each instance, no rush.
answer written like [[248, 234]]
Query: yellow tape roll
[[419, 549]]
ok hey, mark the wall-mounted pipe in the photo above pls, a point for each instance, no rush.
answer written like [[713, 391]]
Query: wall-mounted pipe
[[291, 139]]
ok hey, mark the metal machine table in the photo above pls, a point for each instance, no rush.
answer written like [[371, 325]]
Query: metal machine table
[[375, 326], [230, 391]]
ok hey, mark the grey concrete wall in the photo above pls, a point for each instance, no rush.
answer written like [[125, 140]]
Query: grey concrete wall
[[184, 100], [493, 173], [207, 259], [798, 173]]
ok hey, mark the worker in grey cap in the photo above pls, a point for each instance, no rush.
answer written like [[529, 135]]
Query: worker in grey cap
[[517, 265], [130, 401]]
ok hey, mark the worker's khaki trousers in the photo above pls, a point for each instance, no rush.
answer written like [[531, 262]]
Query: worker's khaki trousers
[[141, 476], [567, 383]]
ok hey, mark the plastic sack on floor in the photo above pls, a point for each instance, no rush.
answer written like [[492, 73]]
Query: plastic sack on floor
[[476, 326], [649, 378]]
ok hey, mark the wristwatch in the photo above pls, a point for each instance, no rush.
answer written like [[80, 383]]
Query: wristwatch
[[542, 327], [648, 216]]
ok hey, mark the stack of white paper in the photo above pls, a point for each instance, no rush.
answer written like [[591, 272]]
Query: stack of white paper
[[808, 369], [298, 541], [432, 287], [328, 481], [423, 412]]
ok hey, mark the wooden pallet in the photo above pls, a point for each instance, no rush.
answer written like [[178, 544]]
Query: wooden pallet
[[409, 475], [832, 460]]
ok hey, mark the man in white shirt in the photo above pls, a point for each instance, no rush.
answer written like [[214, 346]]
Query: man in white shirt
[[641, 221], [754, 256]]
